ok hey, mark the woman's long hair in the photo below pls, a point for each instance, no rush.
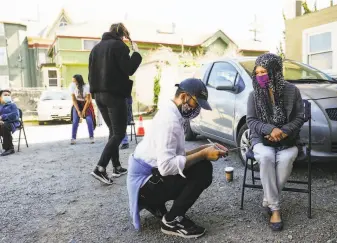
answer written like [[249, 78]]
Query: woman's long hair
[[80, 83], [121, 31]]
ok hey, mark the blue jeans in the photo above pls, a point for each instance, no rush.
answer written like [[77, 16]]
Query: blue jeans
[[125, 139], [76, 120]]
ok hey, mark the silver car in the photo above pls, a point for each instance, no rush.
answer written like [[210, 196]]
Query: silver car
[[229, 84]]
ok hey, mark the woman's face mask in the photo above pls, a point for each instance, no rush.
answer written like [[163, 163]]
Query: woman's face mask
[[262, 77], [263, 80]]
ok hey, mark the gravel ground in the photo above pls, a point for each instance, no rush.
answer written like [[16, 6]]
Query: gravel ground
[[47, 195]]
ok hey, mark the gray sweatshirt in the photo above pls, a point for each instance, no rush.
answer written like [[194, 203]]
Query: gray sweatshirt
[[294, 109]]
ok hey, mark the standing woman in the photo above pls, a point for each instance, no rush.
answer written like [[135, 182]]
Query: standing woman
[[82, 107], [110, 68], [274, 116]]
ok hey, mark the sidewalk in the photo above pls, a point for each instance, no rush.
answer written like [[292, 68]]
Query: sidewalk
[[53, 133]]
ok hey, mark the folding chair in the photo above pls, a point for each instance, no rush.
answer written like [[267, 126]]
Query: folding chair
[[250, 156], [21, 129]]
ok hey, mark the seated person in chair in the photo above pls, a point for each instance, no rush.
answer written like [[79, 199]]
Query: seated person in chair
[[160, 170], [9, 121], [275, 115]]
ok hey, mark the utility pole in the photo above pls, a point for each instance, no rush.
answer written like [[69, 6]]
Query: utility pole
[[255, 29]]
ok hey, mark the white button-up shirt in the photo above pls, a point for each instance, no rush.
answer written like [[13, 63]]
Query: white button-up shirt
[[163, 145]]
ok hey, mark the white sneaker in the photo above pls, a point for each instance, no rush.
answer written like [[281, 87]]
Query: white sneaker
[[73, 141], [92, 140]]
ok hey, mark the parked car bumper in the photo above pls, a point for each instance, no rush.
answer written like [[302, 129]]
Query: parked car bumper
[[53, 116]]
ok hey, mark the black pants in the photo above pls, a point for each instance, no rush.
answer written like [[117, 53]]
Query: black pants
[[114, 113], [184, 191], [6, 134]]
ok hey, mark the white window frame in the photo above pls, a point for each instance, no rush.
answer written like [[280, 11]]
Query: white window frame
[[63, 23], [55, 79], [46, 77], [307, 33], [2, 29], [87, 40], [5, 63]]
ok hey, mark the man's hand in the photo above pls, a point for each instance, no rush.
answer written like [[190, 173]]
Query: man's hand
[[213, 154], [222, 147], [83, 113], [79, 113]]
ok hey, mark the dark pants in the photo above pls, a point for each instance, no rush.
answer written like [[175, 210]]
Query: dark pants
[[114, 113], [184, 191], [6, 134]]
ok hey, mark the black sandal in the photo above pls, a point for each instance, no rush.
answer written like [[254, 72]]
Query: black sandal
[[276, 226]]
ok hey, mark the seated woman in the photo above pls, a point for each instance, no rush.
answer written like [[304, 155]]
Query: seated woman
[[9, 121], [82, 107], [274, 117]]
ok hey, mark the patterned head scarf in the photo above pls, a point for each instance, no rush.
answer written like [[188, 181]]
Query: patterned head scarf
[[266, 111]]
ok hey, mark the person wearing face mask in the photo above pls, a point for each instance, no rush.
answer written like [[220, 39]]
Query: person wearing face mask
[[110, 68], [9, 121], [161, 170], [82, 107], [275, 115]]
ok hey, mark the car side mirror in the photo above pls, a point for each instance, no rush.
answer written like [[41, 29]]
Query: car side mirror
[[225, 85]]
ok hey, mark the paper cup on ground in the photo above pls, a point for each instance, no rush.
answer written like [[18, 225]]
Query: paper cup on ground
[[229, 173]]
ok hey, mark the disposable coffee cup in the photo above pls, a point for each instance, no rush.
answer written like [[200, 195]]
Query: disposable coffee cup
[[229, 173]]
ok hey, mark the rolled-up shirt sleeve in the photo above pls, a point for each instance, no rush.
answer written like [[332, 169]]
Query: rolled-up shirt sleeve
[[169, 162]]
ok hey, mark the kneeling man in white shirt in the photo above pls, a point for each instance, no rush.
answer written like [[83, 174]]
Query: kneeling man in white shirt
[[160, 170]]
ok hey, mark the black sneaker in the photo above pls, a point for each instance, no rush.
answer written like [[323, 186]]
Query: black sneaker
[[118, 171], [183, 227], [125, 146], [102, 176], [8, 152]]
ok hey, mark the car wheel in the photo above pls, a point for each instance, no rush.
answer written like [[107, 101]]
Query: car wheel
[[244, 142], [189, 134]]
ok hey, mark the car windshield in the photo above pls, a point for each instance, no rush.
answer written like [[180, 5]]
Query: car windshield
[[295, 72], [56, 95]]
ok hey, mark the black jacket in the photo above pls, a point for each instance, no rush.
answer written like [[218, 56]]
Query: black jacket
[[110, 66]]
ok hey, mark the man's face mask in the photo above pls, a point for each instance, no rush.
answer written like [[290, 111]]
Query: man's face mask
[[7, 99], [187, 111]]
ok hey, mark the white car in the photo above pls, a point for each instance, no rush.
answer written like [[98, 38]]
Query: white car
[[54, 105]]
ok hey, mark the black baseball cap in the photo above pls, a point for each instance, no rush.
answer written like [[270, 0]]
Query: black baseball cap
[[197, 88]]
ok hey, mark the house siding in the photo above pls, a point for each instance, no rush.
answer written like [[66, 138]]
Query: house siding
[[34, 63], [295, 28], [71, 71]]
